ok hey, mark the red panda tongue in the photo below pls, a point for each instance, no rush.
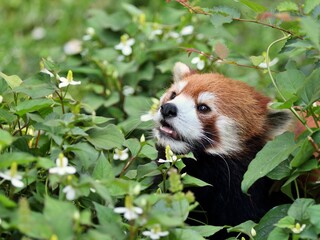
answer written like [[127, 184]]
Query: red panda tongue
[[169, 131]]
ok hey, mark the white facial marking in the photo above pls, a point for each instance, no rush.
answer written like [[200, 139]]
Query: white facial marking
[[206, 97], [186, 124], [229, 139]]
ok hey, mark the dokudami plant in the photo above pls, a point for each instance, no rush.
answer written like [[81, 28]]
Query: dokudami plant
[[77, 160]]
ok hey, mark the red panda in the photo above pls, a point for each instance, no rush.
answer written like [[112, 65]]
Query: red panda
[[224, 123]]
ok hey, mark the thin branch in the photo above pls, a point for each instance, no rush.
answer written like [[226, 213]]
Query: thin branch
[[267, 25], [198, 10]]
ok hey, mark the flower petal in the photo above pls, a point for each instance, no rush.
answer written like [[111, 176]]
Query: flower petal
[[126, 50]]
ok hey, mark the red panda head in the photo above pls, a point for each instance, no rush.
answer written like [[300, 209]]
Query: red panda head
[[215, 114]]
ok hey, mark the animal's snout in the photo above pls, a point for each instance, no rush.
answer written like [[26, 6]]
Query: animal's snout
[[169, 110]]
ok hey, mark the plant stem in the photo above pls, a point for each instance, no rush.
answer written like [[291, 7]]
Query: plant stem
[[275, 84]]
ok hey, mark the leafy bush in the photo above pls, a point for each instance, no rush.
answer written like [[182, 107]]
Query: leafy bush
[[75, 162]]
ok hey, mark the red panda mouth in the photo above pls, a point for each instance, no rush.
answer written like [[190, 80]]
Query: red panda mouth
[[167, 130]]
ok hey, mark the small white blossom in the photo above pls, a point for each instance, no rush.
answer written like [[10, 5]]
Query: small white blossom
[[73, 47], [125, 45], [62, 167], [155, 232], [1, 98], [127, 90], [153, 110], [70, 192], [13, 176], [46, 71], [199, 62], [121, 155], [298, 228], [173, 34], [38, 33], [187, 30], [129, 213], [154, 33], [68, 81], [273, 62]]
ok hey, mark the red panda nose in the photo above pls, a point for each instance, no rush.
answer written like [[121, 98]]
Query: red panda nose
[[169, 110]]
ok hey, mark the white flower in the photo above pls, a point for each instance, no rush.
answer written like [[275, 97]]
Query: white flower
[[298, 228], [70, 192], [127, 90], [13, 176], [62, 167], [67, 81], [72, 47], [155, 232], [153, 110], [155, 33], [125, 45], [46, 71], [199, 62], [121, 154], [1, 98], [273, 62], [38, 33], [173, 34], [129, 213], [187, 30]]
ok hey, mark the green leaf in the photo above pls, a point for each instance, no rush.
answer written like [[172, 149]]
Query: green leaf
[[244, 227], [22, 158], [149, 169], [306, 150], [192, 181], [38, 86], [289, 82], [105, 138], [314, 213], [279, 234], [109, 221], [6, 116], [309, 5], [268, 158], [287, 7], [185, 234], [298, 210], [13, 81], [5, 139], [33, 224], [32, 105], [284, 105], [149, 152], [222, 15], [310, 91], [266, 224], [256, 60], [6, 202], [134, 146], [54, 211], [137, 105], [103, 169], [286, 222], [254, 6], [312, 30], [206, 231]]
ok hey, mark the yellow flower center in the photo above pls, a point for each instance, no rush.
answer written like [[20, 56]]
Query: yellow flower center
[[70, 76], [13, 169]]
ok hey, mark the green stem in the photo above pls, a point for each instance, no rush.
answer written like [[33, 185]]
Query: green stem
[[275, 84], [297, 188]]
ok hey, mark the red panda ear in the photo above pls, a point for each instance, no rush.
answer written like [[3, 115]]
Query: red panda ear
[[179, 71], [278, 122]]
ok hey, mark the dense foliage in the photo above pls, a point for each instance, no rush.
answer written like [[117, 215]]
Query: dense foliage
[[77, 157]]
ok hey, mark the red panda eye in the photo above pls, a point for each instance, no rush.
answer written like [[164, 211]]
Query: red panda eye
[[203, 108], [173, 95]]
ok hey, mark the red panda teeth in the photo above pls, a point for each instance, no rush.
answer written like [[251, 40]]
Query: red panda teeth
[[166, 130]]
